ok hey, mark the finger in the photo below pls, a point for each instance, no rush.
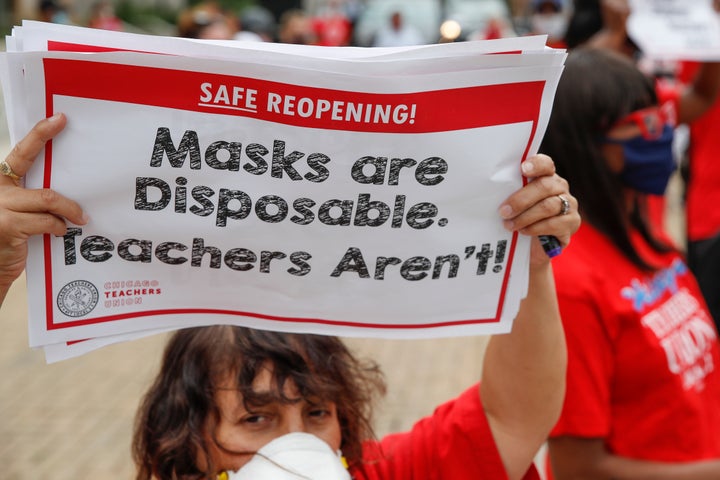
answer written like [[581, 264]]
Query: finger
[[560, 227], [23, 154], [537, 166], [560, 205], [540, 195], [23, 225], [22, 201]]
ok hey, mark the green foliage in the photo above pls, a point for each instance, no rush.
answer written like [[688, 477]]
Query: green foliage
[[234, 6], [161, 18], [138, 14]]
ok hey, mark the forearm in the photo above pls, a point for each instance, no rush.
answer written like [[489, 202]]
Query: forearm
[[629, 469], [523, 379], [701, 95], [577, 458]]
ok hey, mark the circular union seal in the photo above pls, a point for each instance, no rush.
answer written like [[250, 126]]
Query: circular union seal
[[77, 298]]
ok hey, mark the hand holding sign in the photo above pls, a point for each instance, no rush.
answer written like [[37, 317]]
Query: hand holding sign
[[361, 201], [30, 212], [530, 210], [534, 209]]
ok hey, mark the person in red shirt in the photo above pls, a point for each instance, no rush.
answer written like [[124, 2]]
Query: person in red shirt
[[223, 394], [332, 26], [643, 379], [702, 192], [690, 94], [103, 16], [549, 17]]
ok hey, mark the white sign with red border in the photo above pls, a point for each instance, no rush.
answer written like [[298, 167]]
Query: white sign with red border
[[281, 197]]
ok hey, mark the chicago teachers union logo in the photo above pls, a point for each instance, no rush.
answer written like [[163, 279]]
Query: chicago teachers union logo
[[77, 298]]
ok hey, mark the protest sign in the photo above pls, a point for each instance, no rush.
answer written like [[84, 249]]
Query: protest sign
[[323, 195], [675, 29]]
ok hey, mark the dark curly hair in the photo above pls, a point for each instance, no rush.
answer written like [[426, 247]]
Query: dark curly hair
[[172, 418]]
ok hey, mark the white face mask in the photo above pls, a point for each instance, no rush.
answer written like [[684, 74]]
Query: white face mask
[[551, 24], [294, 456]]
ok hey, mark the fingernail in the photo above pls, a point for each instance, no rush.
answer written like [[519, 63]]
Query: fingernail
[[505, 211], [85, 218], [55, 117], [527, 167], [508, 224]]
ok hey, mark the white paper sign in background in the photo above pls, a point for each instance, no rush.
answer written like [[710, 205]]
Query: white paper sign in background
[[676, 29]]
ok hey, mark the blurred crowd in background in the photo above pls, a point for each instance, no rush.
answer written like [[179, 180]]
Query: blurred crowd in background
[[318, 22]]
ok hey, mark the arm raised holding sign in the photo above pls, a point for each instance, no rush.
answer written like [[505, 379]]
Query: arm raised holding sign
[[525, 370], [225, 393]]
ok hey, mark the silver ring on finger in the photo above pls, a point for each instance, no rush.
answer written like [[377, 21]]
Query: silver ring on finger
[[564, 205]]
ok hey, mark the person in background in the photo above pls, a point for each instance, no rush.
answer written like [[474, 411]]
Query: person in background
[[643, 378], [690, 94], [398, 33], [332, 26], [549, 17], [53, 12], [206, 21], [702, 189], [702, 193], [258, 21], [497, 26], [603, 24], [295, 26], [600, 24], [102, 16], [226, 397]]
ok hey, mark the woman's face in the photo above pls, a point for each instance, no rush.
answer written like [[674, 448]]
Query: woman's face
[[242, 430]]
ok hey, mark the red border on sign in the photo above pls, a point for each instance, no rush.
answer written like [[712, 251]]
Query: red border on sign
[[436, 111]]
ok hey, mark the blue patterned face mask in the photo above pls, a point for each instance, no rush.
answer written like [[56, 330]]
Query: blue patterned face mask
[[649, 163], [648, 158]]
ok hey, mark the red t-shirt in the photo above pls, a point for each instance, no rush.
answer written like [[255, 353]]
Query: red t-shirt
[[643, 353], [703, 188], [454, 443], [332, 30]]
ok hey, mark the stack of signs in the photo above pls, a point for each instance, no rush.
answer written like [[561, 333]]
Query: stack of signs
[[339, 191]]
